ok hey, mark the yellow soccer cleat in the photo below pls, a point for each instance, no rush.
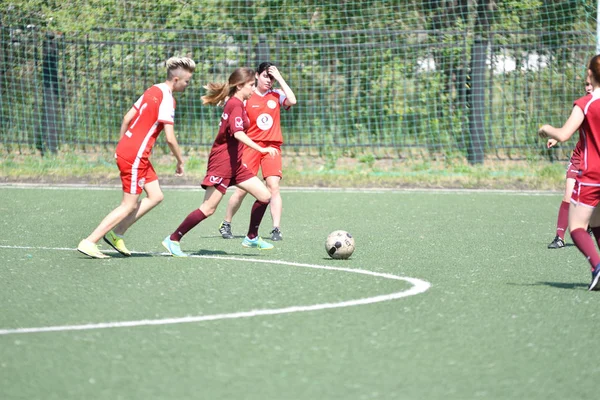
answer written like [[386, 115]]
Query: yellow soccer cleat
[[117, 243], [90, 249]]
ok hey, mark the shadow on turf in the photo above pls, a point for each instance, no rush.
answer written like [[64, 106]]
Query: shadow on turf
[[558, 285], [222, 253]]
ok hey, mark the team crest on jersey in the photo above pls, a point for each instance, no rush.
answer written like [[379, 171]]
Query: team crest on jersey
[[239, 123], [264, 121], [272, 104]]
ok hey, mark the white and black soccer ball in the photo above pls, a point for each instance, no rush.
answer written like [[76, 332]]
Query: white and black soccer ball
[[339, 245]]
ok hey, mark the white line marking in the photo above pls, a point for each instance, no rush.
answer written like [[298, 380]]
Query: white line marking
[[192, 188], [419, 286]]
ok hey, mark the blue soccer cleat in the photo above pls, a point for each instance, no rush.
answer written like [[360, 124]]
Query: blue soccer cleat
[[173, 247], [257, 243]]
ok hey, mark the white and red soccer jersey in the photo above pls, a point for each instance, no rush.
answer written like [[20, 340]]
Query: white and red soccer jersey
[[589, 136], [263, 111], [155, 108], [226, 153]]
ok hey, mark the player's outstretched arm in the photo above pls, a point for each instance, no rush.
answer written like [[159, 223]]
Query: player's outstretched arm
[[567, 130]]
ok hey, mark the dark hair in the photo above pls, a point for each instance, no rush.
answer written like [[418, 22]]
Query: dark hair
[[595, 67], [264, 66]]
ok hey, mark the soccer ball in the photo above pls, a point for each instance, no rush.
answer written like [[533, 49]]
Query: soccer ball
[[339, 245]]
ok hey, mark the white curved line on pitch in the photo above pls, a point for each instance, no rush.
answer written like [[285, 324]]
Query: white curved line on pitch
[[419, 286]]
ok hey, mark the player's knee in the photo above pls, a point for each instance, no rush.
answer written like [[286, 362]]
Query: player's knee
[[157, 199], [208, 211], [264, 198]]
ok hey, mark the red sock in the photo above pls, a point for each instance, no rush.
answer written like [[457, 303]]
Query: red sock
[[256, 216], [188, 223], [586, 245], [563, 219]]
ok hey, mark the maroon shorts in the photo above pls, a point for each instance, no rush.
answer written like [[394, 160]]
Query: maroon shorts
[[242, 174], [585, 195]]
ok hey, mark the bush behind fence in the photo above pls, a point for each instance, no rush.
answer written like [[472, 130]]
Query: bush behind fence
[[358, 90]]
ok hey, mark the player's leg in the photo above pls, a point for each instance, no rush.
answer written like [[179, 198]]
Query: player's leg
[[583, 205], [154, 196], [88, 245], [212, 197], [563, 216], [256, 188], [276, 206], [595, 227], [233, 205], [271, 168], [251, 159]]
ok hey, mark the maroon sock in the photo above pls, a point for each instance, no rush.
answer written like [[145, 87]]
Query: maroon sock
[[563, 219], [188, 223], [586, 245], [256, 216]]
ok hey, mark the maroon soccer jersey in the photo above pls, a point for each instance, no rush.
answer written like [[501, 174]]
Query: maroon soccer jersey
[[155, 108], [589, 136], [226, 153]]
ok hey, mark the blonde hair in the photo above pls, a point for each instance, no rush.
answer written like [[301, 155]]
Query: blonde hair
[[219, 93], [174, 64]]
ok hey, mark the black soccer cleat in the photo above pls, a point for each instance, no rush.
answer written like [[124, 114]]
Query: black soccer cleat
[[557, 243], [276, 235], [225, 230]]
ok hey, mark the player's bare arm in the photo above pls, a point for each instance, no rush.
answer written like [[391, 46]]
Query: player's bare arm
[[242, 137], [127, 120], [567, 130], [289, 93], [174, 146]]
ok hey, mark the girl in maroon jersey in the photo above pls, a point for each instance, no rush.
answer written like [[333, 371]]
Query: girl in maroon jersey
[[585, 117], [572, 171], [225, 167], [263, 109]]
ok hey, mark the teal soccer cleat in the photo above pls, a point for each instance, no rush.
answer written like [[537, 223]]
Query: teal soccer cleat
[[257, 243]]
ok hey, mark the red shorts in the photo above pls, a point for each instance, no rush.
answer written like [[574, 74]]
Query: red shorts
[[573, 167], [242, 174], [585, 195], [135, 176], [270, 166]]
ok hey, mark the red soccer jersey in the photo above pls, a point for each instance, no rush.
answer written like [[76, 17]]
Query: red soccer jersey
[[226, 153], [155, 108], [577, 154], [263, 112], [589, 136]]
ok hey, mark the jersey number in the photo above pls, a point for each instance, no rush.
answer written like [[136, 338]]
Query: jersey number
[[142, 108]]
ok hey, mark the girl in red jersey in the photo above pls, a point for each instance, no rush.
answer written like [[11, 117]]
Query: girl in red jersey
[[153, 112], [585, 116], [263, 110], [225, 166], [572, 171]]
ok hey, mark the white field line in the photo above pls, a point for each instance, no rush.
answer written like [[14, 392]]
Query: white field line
[[418, 286], [81, 186]]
